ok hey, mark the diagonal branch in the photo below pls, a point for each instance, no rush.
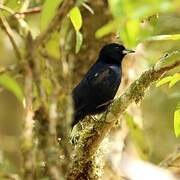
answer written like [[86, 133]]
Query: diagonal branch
[[90, 142], [10, 34]]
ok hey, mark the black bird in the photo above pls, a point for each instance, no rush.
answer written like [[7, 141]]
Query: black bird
[[97, 89]]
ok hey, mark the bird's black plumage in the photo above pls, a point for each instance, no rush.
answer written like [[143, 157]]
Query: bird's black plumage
[[98, 87]]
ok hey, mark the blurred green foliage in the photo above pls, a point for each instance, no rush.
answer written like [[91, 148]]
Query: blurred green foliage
[[135, 21], [48, 11], [138, 137], [172, 80]]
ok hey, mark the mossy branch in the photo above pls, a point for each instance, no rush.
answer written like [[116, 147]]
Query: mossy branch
[[91, 139]]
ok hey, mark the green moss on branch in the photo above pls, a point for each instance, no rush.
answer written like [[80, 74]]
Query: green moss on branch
[[91, 140]]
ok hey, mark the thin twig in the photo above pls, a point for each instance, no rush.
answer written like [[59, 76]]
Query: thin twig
[[29, 11], [25, 5], [171, 160], [10, 34], [7, 9], [19, 19]]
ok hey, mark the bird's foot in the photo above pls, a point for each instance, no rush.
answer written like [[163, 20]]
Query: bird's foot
[[93, 118], [107, 103]]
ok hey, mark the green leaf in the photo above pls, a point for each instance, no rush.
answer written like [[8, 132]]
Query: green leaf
[[177, 122], [10, 84], [48, 12], [163, 81], [175, 78], [52, 46], [106, 29], [79, 40], [171, 79], [76, 18]]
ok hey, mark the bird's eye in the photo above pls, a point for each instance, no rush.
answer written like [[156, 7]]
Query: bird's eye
[[117, 47]]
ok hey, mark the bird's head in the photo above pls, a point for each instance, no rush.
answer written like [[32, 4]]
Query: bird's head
[[113, 53]]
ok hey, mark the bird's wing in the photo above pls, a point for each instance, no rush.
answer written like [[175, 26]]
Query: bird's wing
[[80, 95], [99, 84], [82, 92], [99, 76]]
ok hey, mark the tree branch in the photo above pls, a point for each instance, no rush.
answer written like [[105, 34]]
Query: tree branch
[[22, 24], [173, 160], [29, 11], [91, 139], [10, 34], [27, 141]]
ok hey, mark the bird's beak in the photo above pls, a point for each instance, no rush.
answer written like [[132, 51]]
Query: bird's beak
[[127, 51]]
